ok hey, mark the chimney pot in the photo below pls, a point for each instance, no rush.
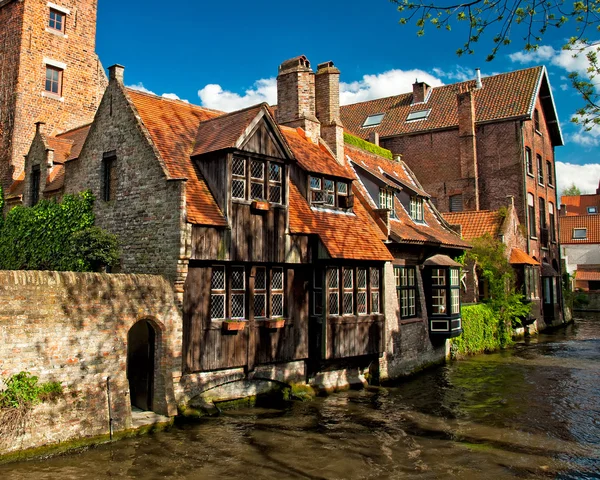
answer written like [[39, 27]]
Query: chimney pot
[[116, 72], [478, 83], [420, 92]]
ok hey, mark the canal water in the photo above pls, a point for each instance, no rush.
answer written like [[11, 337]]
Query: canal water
[[531, 412]]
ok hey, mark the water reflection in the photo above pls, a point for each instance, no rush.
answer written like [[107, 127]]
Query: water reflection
[[533, 412]]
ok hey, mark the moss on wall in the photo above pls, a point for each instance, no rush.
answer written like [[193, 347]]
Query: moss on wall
[[368, 146]]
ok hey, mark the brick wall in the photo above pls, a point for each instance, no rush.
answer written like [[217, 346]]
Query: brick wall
[[83, 79], [72, 328], [147, 211]]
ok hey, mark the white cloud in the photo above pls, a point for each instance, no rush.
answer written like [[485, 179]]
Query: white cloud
[[263, 90], [542, 54], [564, 87], [585, 177], [140, 87], [386, 84]]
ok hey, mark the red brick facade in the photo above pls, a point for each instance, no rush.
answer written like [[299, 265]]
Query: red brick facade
[[27, 46]]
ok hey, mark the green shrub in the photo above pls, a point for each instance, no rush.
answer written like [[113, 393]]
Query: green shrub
[[47, 235], [23, 391], [368, 146]]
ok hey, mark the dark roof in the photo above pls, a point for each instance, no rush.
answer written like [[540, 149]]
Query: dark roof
[[504, 96]]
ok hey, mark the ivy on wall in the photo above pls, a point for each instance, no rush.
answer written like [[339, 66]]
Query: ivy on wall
[[368, 146], [483, 331], [56, 236]]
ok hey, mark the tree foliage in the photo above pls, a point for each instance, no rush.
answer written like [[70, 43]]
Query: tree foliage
[[571, 190], [55, 236], [526, 20]]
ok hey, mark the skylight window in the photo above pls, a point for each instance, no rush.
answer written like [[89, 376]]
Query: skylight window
[[580, 233], [373, 120], [592, 210], [420, 115]]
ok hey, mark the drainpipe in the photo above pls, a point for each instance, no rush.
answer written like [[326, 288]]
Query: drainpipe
[[110, 419]]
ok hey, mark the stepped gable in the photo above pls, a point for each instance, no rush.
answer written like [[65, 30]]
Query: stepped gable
[[477, 223], [504, 96], [404, 229], [173, 127]]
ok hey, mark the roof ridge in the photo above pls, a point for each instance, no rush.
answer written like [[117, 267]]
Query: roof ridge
[[235, 112], [175, 100]]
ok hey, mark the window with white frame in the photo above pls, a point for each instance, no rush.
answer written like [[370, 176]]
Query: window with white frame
[[454, 291], [260, 292], [238, 292], [350, 290], [416, 208], [529, 161], [531, 215], [375, 297], [255, 179], [327, 192], [540, 167], [438, 292], [551, 221], [386, 200], [579, 233], [348, 301], [361, 291]]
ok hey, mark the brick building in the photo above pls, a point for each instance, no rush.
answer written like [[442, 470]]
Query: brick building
[[474, 143], [262, 225], [48, 72]]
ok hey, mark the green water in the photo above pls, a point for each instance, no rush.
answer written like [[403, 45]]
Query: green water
[[531, 412]]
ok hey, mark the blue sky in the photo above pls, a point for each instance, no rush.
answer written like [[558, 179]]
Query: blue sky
[[225, 55]]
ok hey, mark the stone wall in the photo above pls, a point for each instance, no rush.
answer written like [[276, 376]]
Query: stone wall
[[72, 328]]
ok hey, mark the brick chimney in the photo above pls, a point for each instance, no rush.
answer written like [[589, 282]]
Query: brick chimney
[[327, 95], [296, 96], [468, 142], [116, 72], [420, 92], [40, 127]]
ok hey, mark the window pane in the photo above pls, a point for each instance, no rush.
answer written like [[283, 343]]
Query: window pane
[[329, 185], [373, 120], [455, 297], [277, 279], [333, 278], [260, 279], [257, 191], [274, 193], [374, 302], [237, 305], [277, 305], [238, 167], [238, 281], [361, 300], [342, 188], [257, 170], [218, 278], [348, 303], [348, 278], [454, 277], [438, 301], [438, 276], [217, 306], [315, 183], [375, 278], [238, 188], [361, 278], [334, 303], [275, 172], [260, 304]]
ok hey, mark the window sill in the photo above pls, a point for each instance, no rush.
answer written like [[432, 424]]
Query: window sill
[[58, 33], [533, 238], [539, 133], [549, 185], [530, 175], [53, 96]]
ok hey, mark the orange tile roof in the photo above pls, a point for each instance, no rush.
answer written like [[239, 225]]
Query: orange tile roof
[[312, 157], [223, 131], [578, 204], [56, 179], [77, 136], [589, 222], [588, 274], [503, 96], [476, 223], [519, 257], [343, 235], [404, 229], [173, 126], [62, 148]]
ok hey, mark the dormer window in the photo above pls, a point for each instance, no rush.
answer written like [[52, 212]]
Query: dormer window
[[373, 120], [592, 210], [386, 200], [253, 179], [416, 208], [330, 193]]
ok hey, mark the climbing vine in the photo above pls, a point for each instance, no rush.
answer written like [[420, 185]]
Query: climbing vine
[[368, 146], [55, 236]]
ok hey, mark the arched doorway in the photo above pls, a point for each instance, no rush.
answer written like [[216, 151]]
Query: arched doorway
[[140, 364]]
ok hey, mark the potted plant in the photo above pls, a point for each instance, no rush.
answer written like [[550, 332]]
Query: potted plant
[[260, 205], [274, 323], [233, 325]]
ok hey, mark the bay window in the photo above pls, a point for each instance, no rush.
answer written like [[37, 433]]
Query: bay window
[[442, 288], [256, 179]]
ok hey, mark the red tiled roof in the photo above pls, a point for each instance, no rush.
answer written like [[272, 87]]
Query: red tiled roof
[[77, 136], [343, 235], [503, 96], [56, 179], [519, 257], [62, 148], [404, 229], [476, 223], [223, 131], [589, 222], [312, 157], [593, 275], [173, 127], [578, 204]]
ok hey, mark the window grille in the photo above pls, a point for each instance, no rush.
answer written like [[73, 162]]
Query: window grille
[[217, 293], [316, 190], [454, 291], [238, 180], [260, 292], [56, 20], [53, 82], [257, 180], [406, 290], [329, 192], [238, 292], [334, 291], [275, 182], [342, 188], [375, 299], [348, 291], [361, 294], [277, 292]]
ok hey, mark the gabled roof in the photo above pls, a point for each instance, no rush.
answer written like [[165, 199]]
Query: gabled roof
[[232, 129], [404, 229], [590, 222], [312, 157], [77, 138], [519, 257], [173, 128], [476, 223], [505, 96]]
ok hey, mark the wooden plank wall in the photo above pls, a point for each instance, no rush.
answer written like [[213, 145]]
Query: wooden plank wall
[[354, 336], [263, 142], [210, 243]]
